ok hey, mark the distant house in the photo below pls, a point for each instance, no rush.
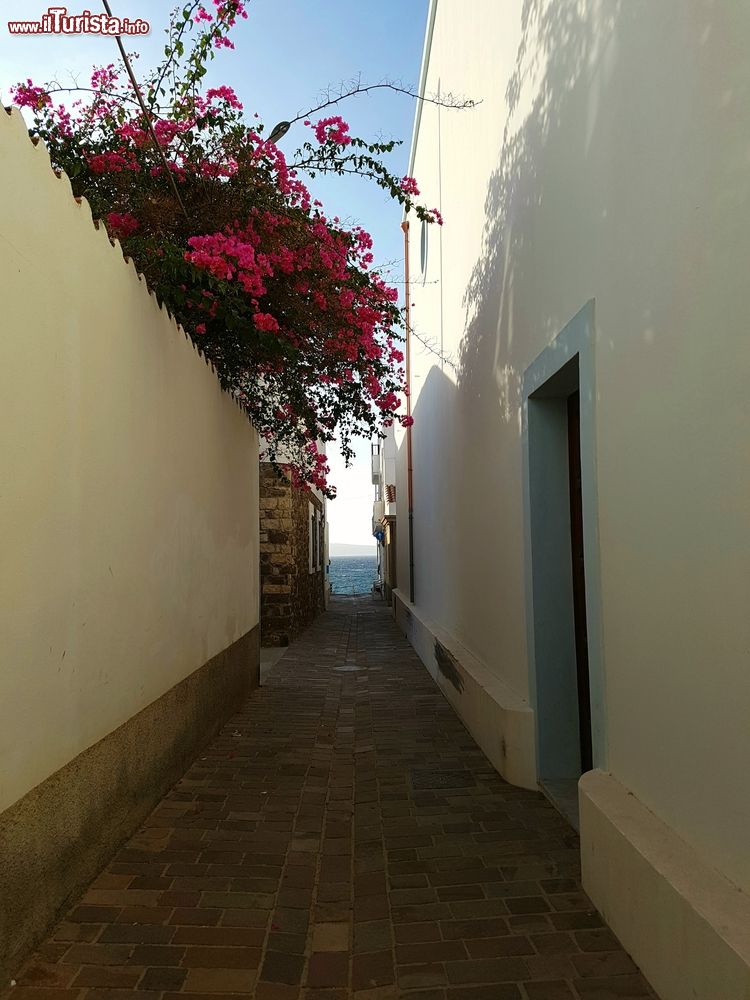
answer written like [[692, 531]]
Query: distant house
[[581, 474], [384, 512]]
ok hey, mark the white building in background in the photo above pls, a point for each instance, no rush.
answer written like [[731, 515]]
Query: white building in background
[[384, 456], [581, 470]]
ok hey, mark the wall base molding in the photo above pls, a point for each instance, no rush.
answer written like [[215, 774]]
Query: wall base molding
[[500, 721], [686, 926], [60, 835]]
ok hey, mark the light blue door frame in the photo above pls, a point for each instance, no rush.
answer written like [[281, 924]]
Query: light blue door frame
[[565, 366]]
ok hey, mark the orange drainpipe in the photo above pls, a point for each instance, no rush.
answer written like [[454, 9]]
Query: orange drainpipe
[[409, 479]]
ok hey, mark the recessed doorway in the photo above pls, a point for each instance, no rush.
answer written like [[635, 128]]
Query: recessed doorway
[[562, 564]]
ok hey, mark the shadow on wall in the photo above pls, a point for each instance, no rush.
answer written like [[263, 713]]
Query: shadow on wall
[[615, 113], [459, 461], [560, 47], [455, 489], [436, 529], [614, 110]]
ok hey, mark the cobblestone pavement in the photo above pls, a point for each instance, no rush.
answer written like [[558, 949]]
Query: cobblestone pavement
[[343, 836]]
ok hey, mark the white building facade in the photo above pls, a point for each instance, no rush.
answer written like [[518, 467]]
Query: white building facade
[[384, 508], [581, 469]]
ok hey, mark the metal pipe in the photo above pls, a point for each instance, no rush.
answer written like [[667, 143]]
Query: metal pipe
[[409, 465]]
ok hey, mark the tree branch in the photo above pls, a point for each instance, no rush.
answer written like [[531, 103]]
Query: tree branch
[[57, 89], [169, 61], [355, 87], [432, 347]]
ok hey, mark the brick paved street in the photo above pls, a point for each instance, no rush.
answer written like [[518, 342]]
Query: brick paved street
[[343, 836]]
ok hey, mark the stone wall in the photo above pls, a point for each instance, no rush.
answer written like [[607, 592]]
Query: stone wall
[[291, 596]]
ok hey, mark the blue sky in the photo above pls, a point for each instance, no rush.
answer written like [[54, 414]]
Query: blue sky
[[287, 53]]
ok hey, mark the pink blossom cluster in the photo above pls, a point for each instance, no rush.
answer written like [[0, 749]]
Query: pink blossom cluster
[[318, 473], [230, 10], [131, 132], [212, 168], [234, 256], [167, 129], [342, 319], [395, 356], [409, 186], [63, 121], [311, 469], [179, 172], [389, 401], [227, 12], [225, 94], [333, 129], [112, 162], [26, 95], [266, 322], [122, 224], [286, 179], [105, 78]]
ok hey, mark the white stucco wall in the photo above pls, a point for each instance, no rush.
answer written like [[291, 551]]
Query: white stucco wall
[[621, 174], [128, 485]]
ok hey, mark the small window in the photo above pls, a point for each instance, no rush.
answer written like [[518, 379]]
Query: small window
[[311, 537], [315, 529], [423, 249], [321, 540]]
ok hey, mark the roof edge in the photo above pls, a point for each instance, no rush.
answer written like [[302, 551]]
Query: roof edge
[[422, 82]]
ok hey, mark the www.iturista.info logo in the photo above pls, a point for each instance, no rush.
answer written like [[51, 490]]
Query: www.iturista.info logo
[[57, 21]]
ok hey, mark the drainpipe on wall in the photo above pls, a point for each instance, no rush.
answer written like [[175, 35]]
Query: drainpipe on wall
[[409, 476]]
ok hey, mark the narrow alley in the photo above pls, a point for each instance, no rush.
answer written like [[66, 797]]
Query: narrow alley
[[343, 836]]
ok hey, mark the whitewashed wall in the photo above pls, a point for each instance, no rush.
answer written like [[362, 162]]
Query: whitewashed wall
[[128, 485], [609, 160]]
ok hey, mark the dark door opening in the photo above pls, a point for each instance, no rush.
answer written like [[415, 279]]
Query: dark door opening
[[562, 599], [579, 580], [389, 570]]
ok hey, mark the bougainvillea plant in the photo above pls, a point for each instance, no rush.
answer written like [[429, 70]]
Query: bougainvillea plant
[[283, 300]]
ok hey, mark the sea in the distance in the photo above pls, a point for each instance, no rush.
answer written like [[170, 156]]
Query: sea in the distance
[[352, 574]]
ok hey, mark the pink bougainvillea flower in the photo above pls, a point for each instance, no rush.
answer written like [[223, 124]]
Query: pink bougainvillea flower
[[26, 95], [104, 77], [265, 321], [112, 162], [225, 94], [122, 224], [334, 130]]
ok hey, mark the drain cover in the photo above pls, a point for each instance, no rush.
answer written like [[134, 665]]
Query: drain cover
[[347, 668]]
